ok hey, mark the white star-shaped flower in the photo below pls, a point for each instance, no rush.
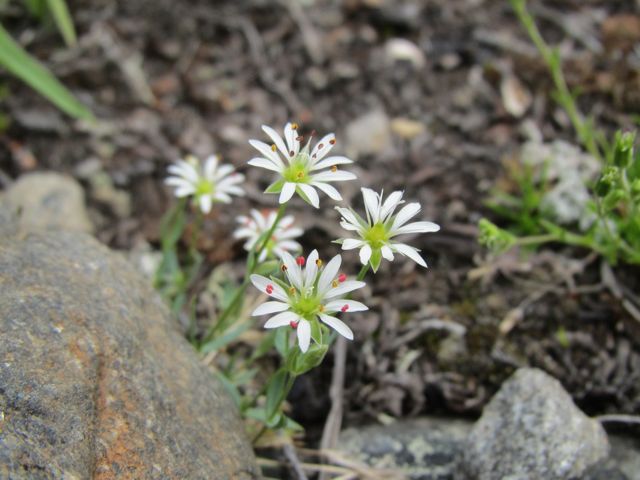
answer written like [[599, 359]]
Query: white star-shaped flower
[[252, 227], [309, 298], [377, 233], [213, 183], [303, 170]]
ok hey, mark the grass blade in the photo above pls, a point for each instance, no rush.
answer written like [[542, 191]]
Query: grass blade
[[18, 62], [60, 13]]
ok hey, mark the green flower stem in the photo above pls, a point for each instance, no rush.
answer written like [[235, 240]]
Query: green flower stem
[[363, 272], [236, 300], [291, 378], [552, 59]]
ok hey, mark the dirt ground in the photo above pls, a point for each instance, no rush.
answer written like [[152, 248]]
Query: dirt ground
[[426, 116]]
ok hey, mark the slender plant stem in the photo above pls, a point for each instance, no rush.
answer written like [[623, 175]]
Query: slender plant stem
[[552, 59], [280, 214], [239, 293], [363, 272]]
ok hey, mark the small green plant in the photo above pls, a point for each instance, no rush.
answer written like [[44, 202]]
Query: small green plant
[[20, 63], [610, 221], [305, 295]]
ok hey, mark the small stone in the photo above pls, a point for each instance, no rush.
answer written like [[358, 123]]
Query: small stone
[[516, 98], [369, 134], [532, 429], [401, 49], [406, 128], [47, 201]]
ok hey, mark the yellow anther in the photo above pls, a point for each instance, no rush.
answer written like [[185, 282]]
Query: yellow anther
[[273, 147], [300, 175], [335, 283], [321, 308], [334, 168], [292, 290], [294, 126], [319, 262]]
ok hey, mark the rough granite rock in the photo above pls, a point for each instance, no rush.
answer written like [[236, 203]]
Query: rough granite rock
[[418, 449], [48, 201], [95, 380], [532, 429]]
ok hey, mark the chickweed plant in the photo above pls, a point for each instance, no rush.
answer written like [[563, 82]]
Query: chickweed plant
[[610, 219], [306, 298]]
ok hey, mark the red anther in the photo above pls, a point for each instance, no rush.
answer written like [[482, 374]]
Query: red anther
[[293, 324], [291, 153], [300, 261], [342, 277], [320, 145], [269, 289], [344, 308], [283, 267], [332, 141], [299, 138]]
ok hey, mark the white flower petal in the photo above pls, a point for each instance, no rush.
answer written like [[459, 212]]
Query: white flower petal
[[311, 269], [390, 204], [338, 325], [351, 243], [294, 273], [371, 204], [178, 182], [345, 287], [205, 203], [184, 191], [331, 192], [290, 136], [264, 163], [337, 305], [387, 253], [288, 189], [304, 334], [328, 274], [265, 285], [410, 252], [365, 254], [417, 227], [222, 197], [276, 139], [322, 148], [405, 214], [266, 152], [311, 194], [330, 162], [351, 217], [270, 307], [330, 176], [281, 319], [210, 166]]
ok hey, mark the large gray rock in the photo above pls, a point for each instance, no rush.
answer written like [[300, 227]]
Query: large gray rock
[[47, 201], [532, 429], [95, 379]]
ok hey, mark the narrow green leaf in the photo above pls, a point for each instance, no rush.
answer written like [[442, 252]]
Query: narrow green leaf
[[274, 392], [60, 13], [18, 62]]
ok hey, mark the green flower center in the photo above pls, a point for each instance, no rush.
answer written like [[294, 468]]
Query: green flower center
[[298, 171], [204, 187], [377, 236], [306, 307]]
